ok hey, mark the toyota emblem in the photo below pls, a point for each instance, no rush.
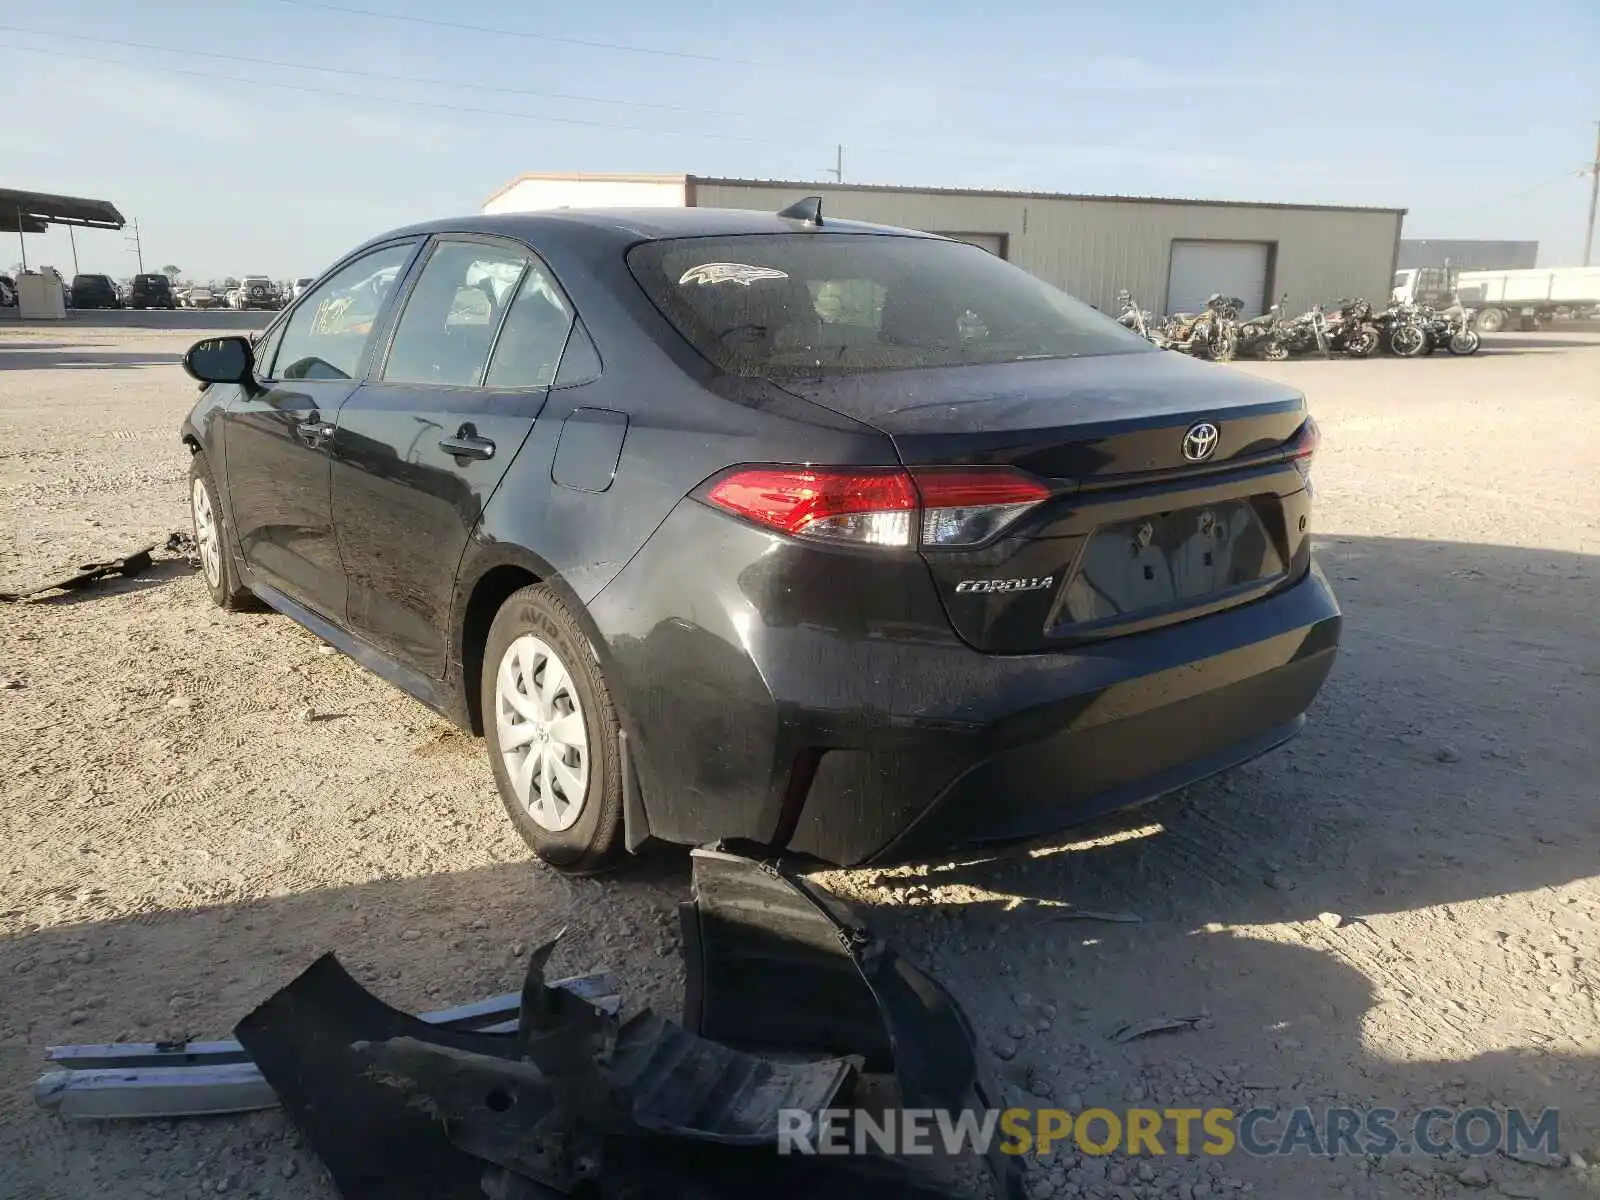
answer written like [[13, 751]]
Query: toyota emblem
[[1200, 442]]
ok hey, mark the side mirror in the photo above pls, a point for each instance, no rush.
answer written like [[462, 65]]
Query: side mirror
[[221, 360]]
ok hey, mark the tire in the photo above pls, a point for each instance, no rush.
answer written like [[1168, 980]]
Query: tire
[[534, 633], [1362, 345], [217, 569], [1275, 352], [1465, 342], [1408, 342], [1490, 320]]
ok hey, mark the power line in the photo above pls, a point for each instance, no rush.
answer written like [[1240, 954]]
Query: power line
[[812, 70], [1480, 205], [431, 105], [268, 62], [427, 104], [463, 27]]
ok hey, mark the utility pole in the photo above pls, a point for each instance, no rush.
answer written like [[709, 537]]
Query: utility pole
[[22, 240], [138, 246], [1594, 197], [837, 170], [73, 238]]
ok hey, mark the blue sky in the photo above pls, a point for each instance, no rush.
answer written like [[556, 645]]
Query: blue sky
[[1475, 116]]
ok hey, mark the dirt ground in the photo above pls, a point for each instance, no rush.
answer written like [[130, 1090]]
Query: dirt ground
[[1401, 909]]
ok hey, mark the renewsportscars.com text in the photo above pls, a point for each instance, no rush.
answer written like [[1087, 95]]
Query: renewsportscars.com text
[[1260, 1132]]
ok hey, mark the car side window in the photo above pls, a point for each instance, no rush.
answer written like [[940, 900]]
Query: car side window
[[528, 353], [449, 323], [327, 334], [580, 361]]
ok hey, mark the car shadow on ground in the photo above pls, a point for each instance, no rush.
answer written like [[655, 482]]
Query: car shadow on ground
[[58, 358]]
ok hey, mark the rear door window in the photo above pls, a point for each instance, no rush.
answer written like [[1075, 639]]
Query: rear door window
[[822, 304], [536, 332], [451, 318]]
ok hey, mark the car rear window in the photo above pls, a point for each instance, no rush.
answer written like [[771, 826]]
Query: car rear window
[[807, 304]]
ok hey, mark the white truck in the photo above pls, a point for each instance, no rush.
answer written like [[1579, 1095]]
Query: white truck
[[1499, 297]]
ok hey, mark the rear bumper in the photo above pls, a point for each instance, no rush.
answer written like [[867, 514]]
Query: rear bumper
[[1135, 719], [886, 737]]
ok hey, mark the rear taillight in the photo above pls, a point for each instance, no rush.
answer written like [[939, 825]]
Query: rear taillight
[[962, 506], [942, 507], [864, 507], [1303, 446]]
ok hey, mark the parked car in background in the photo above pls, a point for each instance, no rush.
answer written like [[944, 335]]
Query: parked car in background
[[255, 291], [151, 291], [853, 542], [300, 286], [95, 291], [8, 291], [201, 296]]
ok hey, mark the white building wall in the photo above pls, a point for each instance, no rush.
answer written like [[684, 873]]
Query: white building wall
[[1092, 248], [539, 193]]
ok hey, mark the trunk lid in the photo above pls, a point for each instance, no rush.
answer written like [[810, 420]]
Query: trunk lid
[[1174, 492]]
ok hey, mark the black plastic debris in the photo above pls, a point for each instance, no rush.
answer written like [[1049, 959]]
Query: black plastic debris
[[128, 566], [791, 1004]]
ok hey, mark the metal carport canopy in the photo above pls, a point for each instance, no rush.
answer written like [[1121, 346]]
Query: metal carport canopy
[[33, 212]]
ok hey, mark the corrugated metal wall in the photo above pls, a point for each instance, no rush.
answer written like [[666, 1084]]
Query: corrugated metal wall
[[1092, 248], [1469, 254]]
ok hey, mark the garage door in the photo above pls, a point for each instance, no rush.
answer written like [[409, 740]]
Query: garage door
[[1232, 268], [994, 243]]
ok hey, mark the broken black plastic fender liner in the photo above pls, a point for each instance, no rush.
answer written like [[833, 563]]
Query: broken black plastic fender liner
[[775, 962], [375, 1144]]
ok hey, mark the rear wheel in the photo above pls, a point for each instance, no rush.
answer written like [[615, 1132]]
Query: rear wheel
[[1491, 320], [552, 733], [1276, 351]]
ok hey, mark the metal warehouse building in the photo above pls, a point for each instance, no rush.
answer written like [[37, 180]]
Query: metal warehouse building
[[1170, 254], [1467, 255]]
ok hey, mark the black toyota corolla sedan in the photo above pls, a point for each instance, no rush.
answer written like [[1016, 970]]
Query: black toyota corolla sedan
[[849, 541]]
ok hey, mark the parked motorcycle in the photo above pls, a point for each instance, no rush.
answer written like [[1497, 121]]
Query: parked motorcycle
[[1306, 333], [1452, 328], [1259, 336], [1211, 333], [1402, 330], [1351, 331], [1131, 316]]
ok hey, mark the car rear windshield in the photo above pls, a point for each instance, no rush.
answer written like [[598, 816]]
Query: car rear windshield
[[806, 304]]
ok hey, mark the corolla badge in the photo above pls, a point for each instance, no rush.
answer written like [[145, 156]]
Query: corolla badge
[[1035, 584], [1200, 441]]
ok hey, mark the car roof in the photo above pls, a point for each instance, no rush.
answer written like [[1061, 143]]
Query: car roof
[[643, 224]]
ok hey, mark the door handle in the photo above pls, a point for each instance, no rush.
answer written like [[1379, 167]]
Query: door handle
[[312, 430], [467, 444]]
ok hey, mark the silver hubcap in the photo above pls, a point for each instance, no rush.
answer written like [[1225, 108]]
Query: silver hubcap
[[543, 740], [206, 534]]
